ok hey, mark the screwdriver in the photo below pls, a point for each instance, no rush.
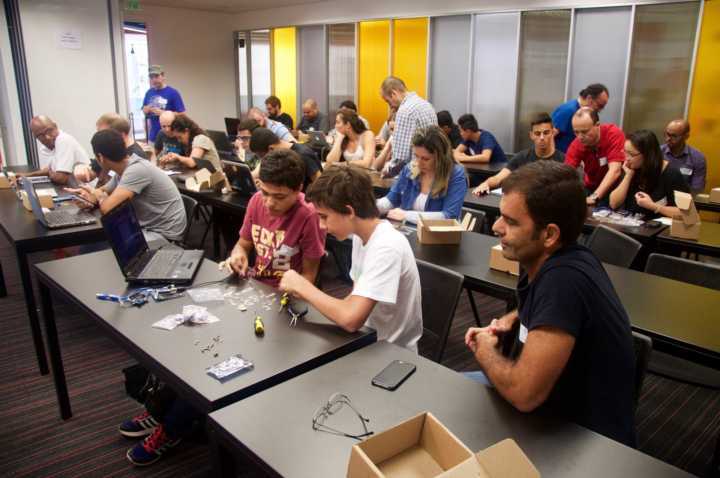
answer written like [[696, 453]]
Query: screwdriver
[[259, 327]]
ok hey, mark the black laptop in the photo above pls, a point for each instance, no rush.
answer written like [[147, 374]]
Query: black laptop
[[139, 264], [65, 216], [222, 144], [231, 126], [240, 177]]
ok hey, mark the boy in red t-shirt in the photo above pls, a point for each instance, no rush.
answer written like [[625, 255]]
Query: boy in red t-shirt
[[282, 229]]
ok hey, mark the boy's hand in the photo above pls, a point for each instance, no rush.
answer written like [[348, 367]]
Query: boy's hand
[[292, 283]]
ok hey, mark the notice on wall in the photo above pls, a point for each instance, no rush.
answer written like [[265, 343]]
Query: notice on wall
[[71, 39]]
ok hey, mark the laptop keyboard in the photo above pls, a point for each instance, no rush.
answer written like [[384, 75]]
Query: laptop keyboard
[[162, 263], [63, 218]]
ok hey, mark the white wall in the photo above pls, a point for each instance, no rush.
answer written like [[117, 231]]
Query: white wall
[[71, 86], [197, 51], [11, 133], [337, 11]]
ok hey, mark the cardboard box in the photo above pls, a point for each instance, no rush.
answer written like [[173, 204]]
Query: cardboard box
[[500, 263], [203, 180], [715, 195], [687, 224], [439, 231], [44, 195], [421, 447]]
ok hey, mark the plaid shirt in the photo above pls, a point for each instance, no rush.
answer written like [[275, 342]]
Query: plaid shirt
[[414, 113]]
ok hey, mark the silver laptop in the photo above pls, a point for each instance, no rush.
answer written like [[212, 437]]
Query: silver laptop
[[66, 216], [139, 264]]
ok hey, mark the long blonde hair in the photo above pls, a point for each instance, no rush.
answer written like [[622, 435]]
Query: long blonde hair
[[433, 139]]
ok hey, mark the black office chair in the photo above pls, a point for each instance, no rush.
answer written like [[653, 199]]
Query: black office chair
[[477, 216], [684, 270], [441, 290], [3, 288], [191, 206], [643, 350], [613, 247]]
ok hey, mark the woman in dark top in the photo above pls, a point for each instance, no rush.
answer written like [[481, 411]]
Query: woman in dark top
[[649, 182]]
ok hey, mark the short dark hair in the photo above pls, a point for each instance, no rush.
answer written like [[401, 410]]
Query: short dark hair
[[283, 167], [468, 123], [183, 122], [349, 105], [110, 144], [594, 90], [273, 101], [248, 124], [648, 145], [261, 140], [340, 186], [540, 118], [553, 195], [444, 118]]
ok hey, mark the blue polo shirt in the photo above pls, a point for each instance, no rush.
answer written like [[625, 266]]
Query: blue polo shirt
[[486, 141], [167, 99], [562, 120]]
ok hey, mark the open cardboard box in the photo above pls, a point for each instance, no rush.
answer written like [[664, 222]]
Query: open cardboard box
[[5, 180], [687, 224], [500, 263], [44, 195], [421, 447], [439, 231], [203, 180], [715, 195]]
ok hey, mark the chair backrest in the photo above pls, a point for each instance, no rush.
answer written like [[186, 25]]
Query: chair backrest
[[613, 247], [190, 207], [441, 289], [685, 270], [643, 348], [477, 216]]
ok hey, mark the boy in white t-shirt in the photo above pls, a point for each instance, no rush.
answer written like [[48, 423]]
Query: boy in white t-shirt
[[386, 291]]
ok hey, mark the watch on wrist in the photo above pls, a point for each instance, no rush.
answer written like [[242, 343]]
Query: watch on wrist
[[594, 196]]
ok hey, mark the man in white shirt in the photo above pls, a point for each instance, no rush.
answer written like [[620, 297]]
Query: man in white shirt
[[275, 126], [386, 293], [58, 152]]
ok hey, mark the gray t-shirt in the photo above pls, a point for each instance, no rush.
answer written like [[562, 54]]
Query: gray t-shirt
[[211, 154], [157, 201]]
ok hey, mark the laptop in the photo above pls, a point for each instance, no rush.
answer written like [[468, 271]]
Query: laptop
[[240, 177], [231, 126], [67, 216], [139, 264], [222, 144]]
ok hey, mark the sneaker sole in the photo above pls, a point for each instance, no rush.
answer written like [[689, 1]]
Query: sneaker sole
[[137, 434]]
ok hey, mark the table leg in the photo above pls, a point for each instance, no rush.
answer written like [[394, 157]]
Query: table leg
[[26, 280], [54, 349], [3, 289], [216, 233], [222, 462], [473, 306]]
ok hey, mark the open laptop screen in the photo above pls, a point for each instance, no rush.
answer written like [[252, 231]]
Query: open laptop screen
[[125, 235]]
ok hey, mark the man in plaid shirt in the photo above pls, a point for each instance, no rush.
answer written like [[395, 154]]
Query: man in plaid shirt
[[413, 113]]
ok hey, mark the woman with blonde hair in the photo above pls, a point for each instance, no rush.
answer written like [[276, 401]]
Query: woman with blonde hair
[[432, 184]]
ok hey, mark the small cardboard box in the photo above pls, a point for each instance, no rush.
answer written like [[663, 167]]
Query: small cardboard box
[[421, 447], [715, 195], [500, 263], [203, 180], [439, 231], [687, 224], [4, 181], [44, 195]]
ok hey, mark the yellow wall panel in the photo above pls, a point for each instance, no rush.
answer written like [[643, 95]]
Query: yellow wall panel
[[284, 69], [704, 103], [373, 67], [410, 42]]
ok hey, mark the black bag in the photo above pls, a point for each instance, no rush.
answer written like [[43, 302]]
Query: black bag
[[148, 390]]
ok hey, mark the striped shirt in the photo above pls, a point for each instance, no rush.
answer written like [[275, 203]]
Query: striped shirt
[[413, 113]]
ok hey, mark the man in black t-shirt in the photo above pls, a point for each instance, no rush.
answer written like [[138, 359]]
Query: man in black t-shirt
[[572, 344], [451, 130], [274, 111], [263, 141], [542, 134]]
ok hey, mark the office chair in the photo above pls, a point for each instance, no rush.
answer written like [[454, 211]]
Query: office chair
[[613, 247]]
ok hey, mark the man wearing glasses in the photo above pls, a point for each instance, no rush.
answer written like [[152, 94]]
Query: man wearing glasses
[[242, 143], [687, 159], [600, 149], [58, 152]]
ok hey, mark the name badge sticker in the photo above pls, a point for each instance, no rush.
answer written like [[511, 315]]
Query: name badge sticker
[[602, 161], [686, 171], [523, 333]]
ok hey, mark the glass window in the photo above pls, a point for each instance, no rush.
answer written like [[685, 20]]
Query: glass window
[[243, 86], [543, 67], [261, 85], [449, 64], [341, 64], [662, 50]]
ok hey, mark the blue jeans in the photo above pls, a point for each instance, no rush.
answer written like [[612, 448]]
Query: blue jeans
[[479, 377]]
